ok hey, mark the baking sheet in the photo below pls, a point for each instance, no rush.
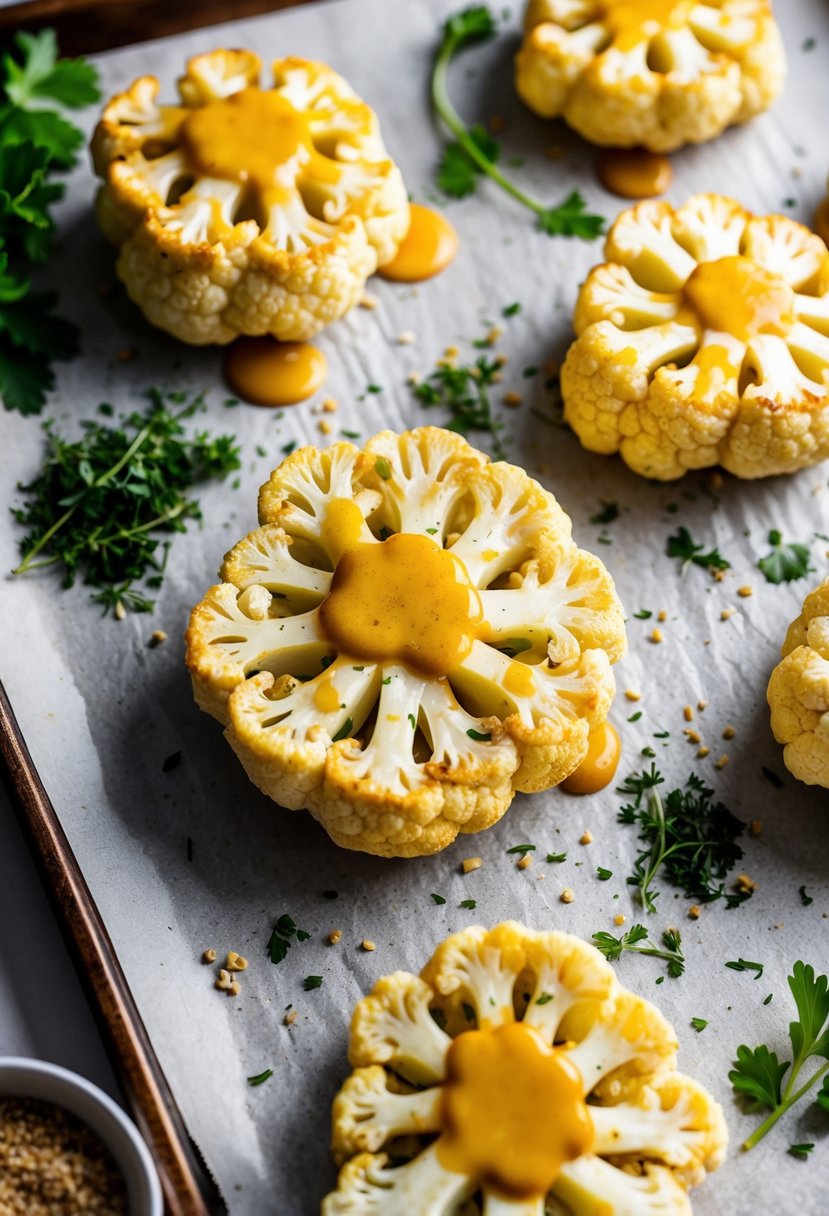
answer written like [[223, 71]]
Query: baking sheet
[[101, 711]]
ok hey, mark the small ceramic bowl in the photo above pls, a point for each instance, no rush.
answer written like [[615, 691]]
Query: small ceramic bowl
[[22, 1078]]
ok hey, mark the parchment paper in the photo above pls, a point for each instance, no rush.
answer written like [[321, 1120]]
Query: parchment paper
[[101, 711]]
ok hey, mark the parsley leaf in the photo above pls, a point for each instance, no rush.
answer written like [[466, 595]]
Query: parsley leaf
[[699, 1024], [469, 904], [681, 544], [522, 849], [602, 874], [311, 982], [464, 392], [38, 73], [759, 1073], [284, 933], [438, 899], [785, 563], [474, 152], [687, 838], [608, 513], [553, 857], [636, 940]]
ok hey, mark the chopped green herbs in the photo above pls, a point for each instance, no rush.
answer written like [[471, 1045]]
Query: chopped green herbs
[[554, 857], [602, 874], [311, 982], [478, 735], [688, 839], [99, 506], [785, 563], [382, 468], [758, 1074], [636, 716], [801, 1151], [636, 940], [741, 964], [289, 447], [682, 545], [261, 1077], [344, 731], [805, 898], [464, 392], [513, 646], [469, 904], [522, 849], [438, 899], [511, 310], [643, 615], [544, 999], [699, 1024], [608, 513], [35, 140], [474, 152], [283, 935]]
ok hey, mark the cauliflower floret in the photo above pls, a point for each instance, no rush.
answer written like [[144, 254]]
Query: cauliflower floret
[[703, 340], [550, 1082], [245, 210], [409, 638], [650, 73], [798, 692]]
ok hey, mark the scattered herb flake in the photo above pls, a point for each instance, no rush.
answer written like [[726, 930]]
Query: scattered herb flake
[[699, 1024], [636, 940], [602, 874], [344, 731], [785, 563], [511, 310], [522, 849], [464, 391], [382, 468], [282, 937], [555, 857], [261, 1077], [478, 735], [681, 545], [544, 999], [438, 899], [805, 898], [801, 1151], [742, 964], [608, 513], [312, 981], [469, 904], [643, 615]]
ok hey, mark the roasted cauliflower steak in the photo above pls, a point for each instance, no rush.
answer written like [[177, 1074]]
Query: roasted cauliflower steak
[[243, 209], [703, 340], [655, 74], [798, 692], [410, 637], [513, 1073]]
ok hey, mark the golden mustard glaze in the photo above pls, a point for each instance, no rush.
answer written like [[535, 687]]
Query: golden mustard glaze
[[598, 767], [256, 137], [403, 600], [735, 295], [342, 527], [627, 19], [512, 1111], [427, 248], [634, 173], [518, 680], [266, 372], [326, 697]]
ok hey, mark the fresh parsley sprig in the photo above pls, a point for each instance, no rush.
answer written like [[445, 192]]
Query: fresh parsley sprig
[[99, 506], [689, 839], [35, 141], [682, 545], [636, 940], [474, 152], [787, 562], [758, 1074], [283, 935]]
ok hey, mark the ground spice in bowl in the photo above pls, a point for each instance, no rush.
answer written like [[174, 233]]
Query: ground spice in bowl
[[52, 1164]]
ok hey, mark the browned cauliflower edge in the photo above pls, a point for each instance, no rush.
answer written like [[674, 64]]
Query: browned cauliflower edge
[[701, 341], [513, 1073], [244, 210], [410, 637], [798, 692], [653, 75]]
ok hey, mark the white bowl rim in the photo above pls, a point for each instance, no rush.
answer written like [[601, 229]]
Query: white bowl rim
[[67, 1082]]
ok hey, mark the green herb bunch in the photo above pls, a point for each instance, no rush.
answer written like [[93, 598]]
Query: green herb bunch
[[687, 837], [35, 141], [465, 392], [100, 505]]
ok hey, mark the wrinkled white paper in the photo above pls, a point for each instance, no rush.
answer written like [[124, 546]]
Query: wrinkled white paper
[[101, 711]]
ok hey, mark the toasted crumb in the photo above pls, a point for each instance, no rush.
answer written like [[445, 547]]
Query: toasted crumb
[[524, 862], [369, 302], [235, 962], [330, 405], [702, 706], [745, 883], [209, 955], [324, 426], [224, 982], [692, 736], [756, 827], [688, 713], [721, 763], [586, 837], [695, 912], [663, 616], [726, 614], [126, 354], [119, 611], [567, 896], [501, 360], [745, 591], [335, 936], [656, 636], [632, 695], [290, 1017], [619, 919], [414, 378], [471, 863], [513, 400], [157, 637], [234, 989], [451, 352], [494, 335], [367, 944], [703, 752], [729, 732], [717, 575]]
